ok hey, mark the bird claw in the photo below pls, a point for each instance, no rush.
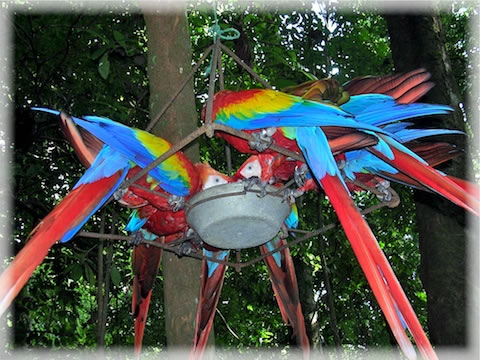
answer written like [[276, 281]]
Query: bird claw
[[254, 180], [283, 233], [341, 164], [119, 193], [189, 246], [176, 202], [138, 238], [300, 175], [262, 139], [291, 194], [383, 188], [186, 248]]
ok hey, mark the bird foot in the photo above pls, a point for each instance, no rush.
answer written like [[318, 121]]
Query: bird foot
[[119, 193], [300, 175], [283, 233], [254, 180], [176, 202], [138, 238], [262, 139], [385, 194], [291, 194], [190, 245], [341, 164]]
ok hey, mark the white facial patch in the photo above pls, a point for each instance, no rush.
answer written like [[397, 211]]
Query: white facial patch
[[252, 169], [214, 180]]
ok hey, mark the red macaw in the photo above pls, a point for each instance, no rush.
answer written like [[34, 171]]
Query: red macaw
[[280, 264], [153, 219], [121, 148], [300, 121], [281, 271], [405, 89], [258, 166]]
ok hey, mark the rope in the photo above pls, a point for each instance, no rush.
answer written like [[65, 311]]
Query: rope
[[217, 33]]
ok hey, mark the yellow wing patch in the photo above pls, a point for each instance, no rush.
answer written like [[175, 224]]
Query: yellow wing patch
[[261, 102]]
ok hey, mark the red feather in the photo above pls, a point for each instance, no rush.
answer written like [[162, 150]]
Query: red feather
[[285, 287], [404, 88], [429, 177], [65, 216], [145, 265], [210, 289], [370, 257]]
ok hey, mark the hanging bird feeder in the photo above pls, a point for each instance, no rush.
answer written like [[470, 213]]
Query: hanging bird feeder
[[230, 217]]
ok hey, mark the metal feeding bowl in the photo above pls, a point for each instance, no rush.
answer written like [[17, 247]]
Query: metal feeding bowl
[[228, 217]]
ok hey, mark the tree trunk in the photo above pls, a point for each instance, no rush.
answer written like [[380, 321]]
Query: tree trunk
[[417, 41], [169, 61]]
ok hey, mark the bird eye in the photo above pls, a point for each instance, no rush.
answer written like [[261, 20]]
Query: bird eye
[[217, 180]]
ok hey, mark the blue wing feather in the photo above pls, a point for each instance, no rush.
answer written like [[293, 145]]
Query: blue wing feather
[[124, 140], [107, 162]]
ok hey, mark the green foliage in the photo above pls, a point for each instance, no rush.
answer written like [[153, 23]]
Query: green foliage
[[97, 64]]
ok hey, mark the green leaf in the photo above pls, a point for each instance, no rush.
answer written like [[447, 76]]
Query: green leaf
[[115, 275], [118, 36], [97, 53], [104, 66], [90, 276], [77, 271]]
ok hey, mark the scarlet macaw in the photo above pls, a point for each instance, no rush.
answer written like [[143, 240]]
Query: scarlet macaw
[[255, 166], [122, 150], [153, 219], [280, 268], [280, 264], [262, 109], [405, 89]]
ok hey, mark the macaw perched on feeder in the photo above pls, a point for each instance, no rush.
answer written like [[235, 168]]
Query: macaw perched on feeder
[[123, 149], [280, 268], [250, 109], [279, 264], [255, 166], [153, 219], [212, 273], [300, 127]]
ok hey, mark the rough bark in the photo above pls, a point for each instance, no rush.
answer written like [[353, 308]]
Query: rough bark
[[169, 61], [417, 41]]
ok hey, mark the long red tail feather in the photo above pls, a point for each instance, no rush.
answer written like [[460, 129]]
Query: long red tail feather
[[145, 265], [140, 321], [65, 216], [210, 289], [370, 256], [285, 287]]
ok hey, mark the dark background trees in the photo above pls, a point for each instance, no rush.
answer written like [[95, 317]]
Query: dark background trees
[[87, 63]]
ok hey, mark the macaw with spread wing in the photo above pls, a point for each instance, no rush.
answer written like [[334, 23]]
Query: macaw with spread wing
[[122, 150], [278, 113], [264, 109], [153, 219], [280, 268]]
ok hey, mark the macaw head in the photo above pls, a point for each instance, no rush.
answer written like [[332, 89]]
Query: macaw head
[[261, 166], [210, 177]]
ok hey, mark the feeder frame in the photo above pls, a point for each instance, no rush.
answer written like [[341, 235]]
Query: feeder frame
[[209, 128]]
